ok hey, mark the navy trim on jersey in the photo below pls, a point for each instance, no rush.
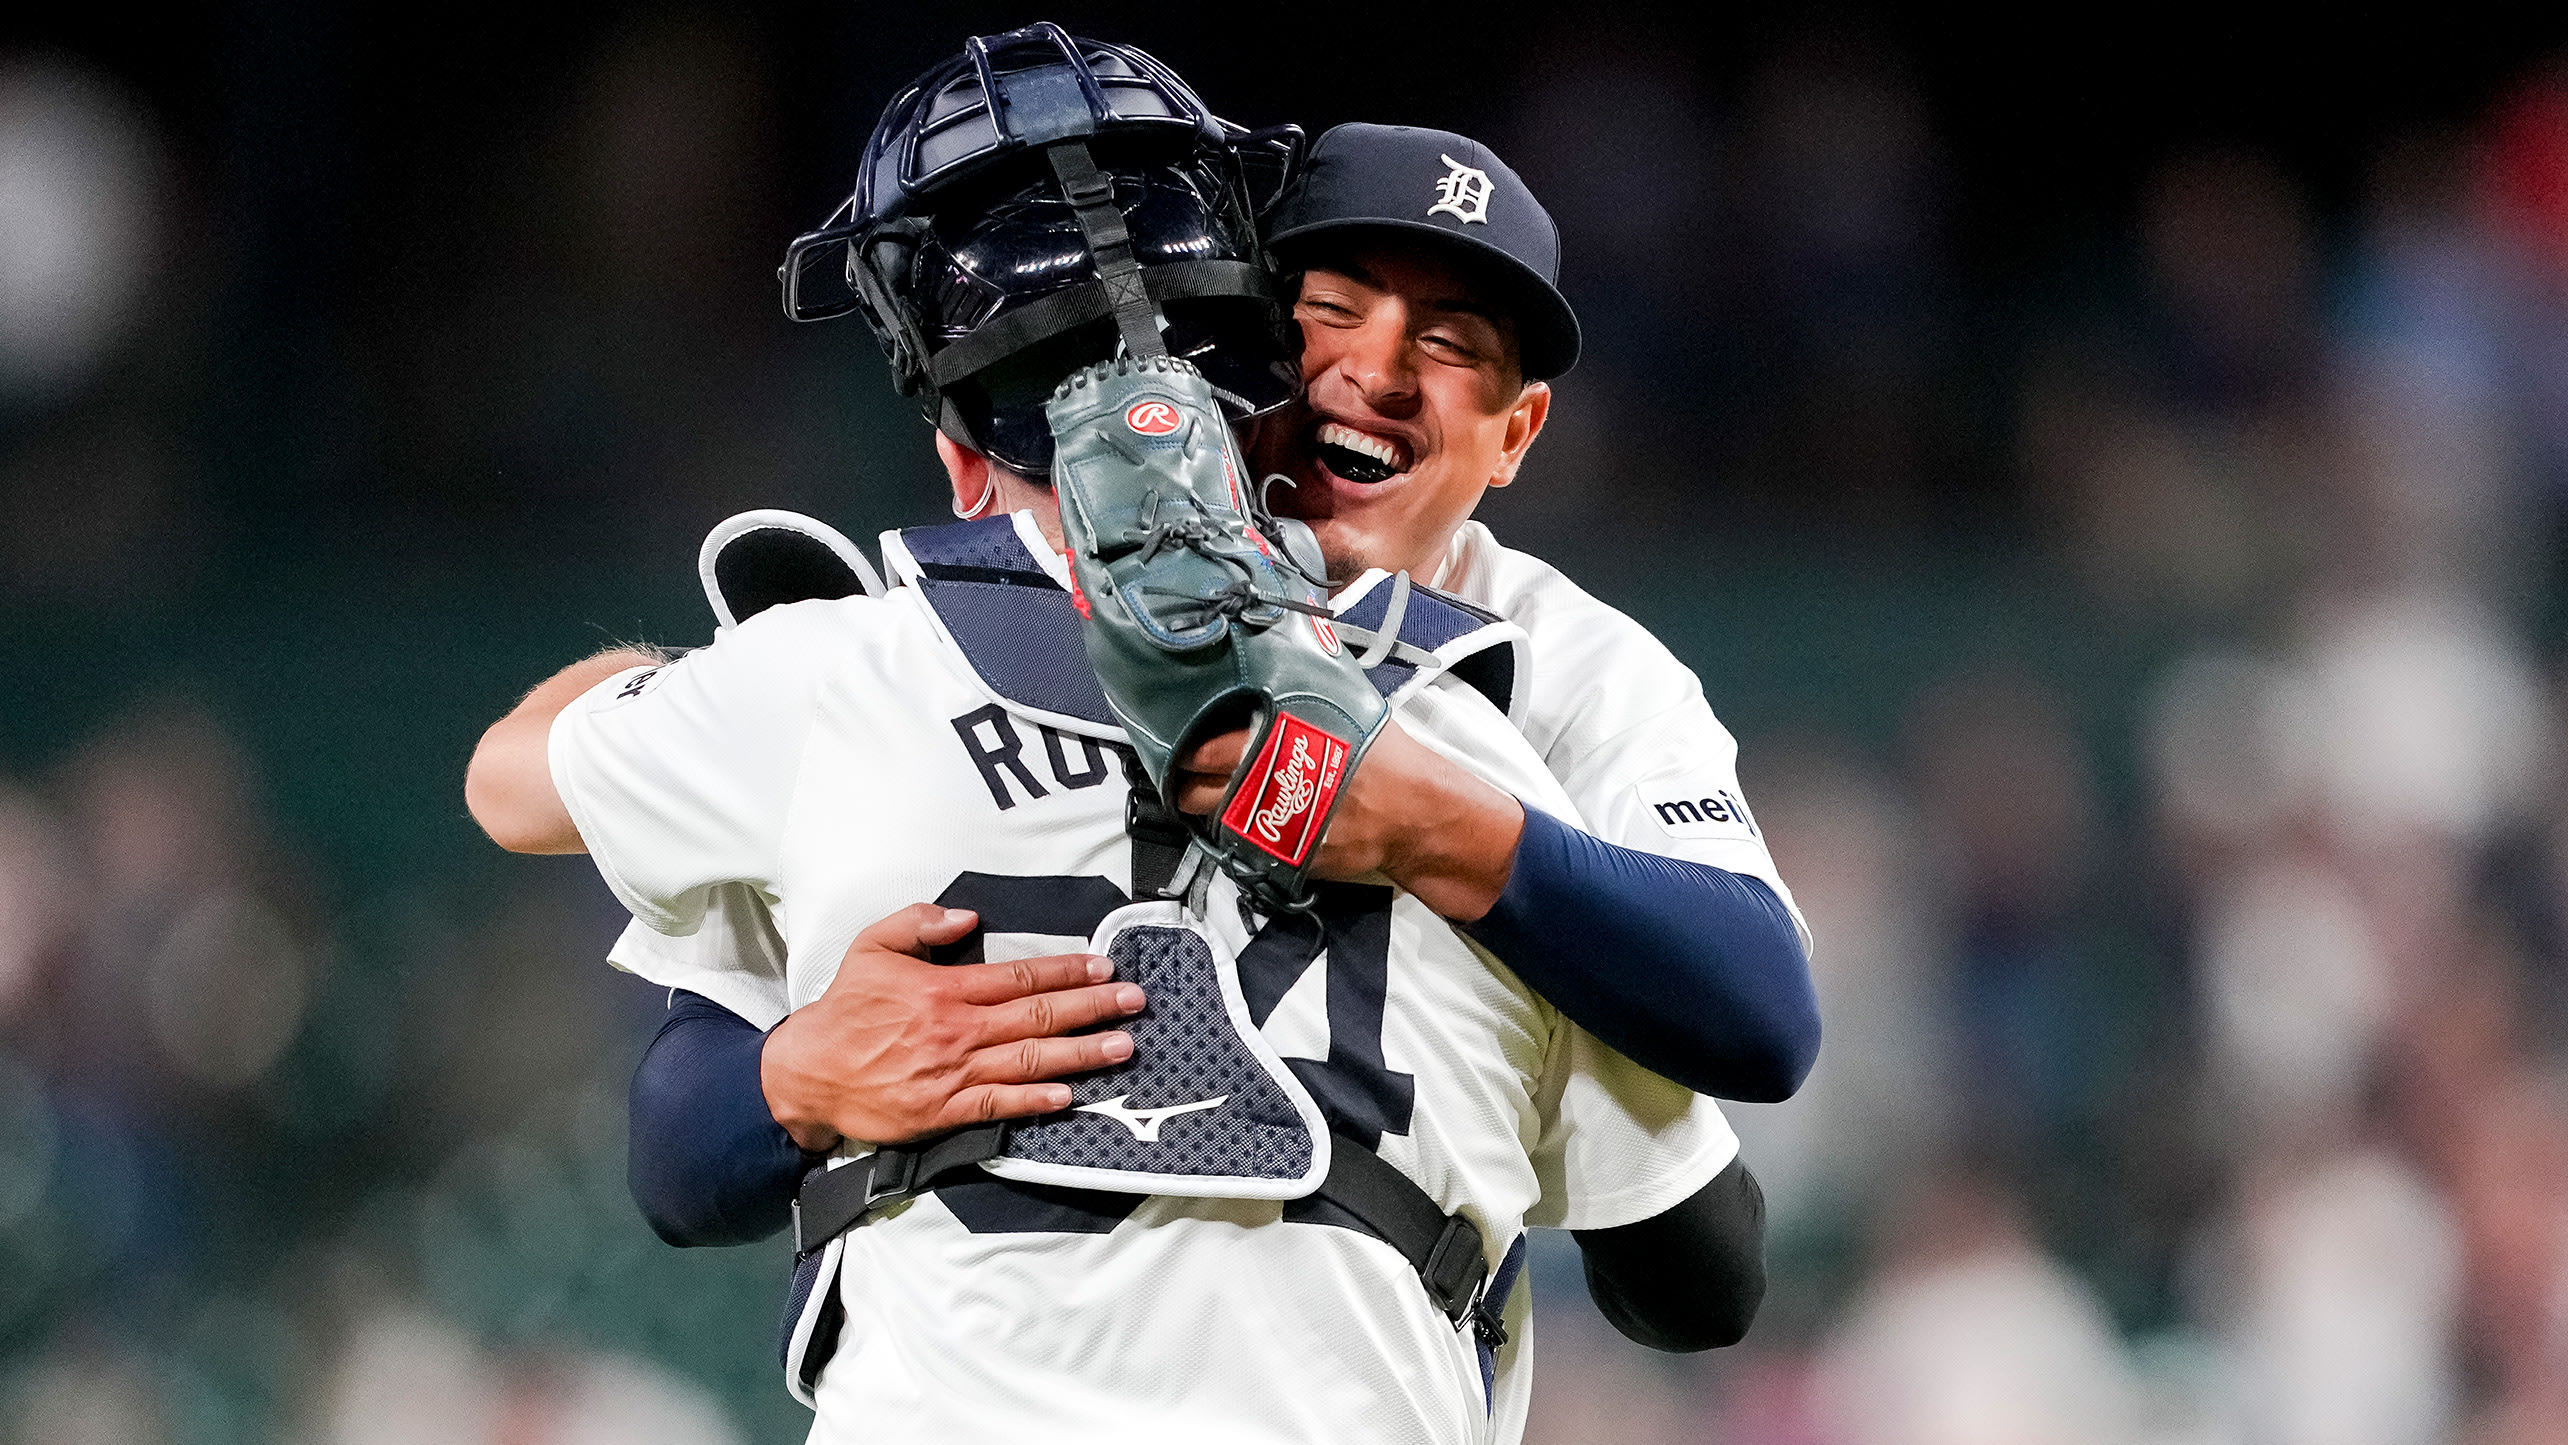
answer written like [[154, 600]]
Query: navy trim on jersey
[[989, 543], [1024, 642], [1694, 972], [707, 1163], [1020, 631], [1432, 619]]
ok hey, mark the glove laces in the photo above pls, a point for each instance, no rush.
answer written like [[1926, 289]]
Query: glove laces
[[1195, 530]]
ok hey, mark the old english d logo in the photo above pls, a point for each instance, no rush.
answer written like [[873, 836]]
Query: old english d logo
[[1287, 792], [1151, 418], [1463, 193]]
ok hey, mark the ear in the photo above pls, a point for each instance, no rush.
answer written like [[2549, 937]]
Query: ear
[[971, 474], [1524, 423]]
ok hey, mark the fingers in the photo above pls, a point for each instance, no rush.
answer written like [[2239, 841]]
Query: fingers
[[913, 930], [984, 1102], [956, 925], [1204, 773], [992, 983], [1034, 1060], [1009, 1078], [1201, 792], [1217, 754], [1059, 1013]]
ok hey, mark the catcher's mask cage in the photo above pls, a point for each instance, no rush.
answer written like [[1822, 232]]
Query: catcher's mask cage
[[1042, 201]]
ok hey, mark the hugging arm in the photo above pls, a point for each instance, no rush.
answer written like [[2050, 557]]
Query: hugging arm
[[1696, 973], [727, 1118], [508, 786], [1610, 935], [709, 1164]]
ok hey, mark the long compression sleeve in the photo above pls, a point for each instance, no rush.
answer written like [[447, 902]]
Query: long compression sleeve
[[1688, 1279], [1694, 972], [707, 1162]]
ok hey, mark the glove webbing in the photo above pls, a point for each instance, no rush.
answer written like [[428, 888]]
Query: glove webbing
[[1091, 194]]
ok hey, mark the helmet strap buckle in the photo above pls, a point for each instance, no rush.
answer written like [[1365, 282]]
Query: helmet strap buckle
[[1091, 194]]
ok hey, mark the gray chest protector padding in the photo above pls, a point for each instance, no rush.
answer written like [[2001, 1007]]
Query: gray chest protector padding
[[1204, 1107]]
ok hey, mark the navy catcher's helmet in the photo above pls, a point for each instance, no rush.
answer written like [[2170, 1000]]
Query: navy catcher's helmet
[[1028, 206]]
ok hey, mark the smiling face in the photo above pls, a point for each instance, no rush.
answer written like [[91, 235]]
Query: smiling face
[[1415, 404]]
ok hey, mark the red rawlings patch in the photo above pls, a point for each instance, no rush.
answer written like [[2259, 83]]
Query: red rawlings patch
[[1078, 598], [1152, 418], [1288, 790]]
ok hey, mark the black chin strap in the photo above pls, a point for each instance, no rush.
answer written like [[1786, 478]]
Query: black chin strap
[[1091, 193]]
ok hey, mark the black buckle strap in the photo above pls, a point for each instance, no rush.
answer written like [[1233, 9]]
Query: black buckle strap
[[1091, 193], [1158, 837], [890, 1177], [833, 1201], [1444, 1249], [1454, 1268], [1487, 1323]]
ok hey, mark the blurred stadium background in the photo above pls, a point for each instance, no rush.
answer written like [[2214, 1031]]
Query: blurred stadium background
[[2112, 484]]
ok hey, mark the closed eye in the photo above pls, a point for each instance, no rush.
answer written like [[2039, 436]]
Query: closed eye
[[1446, 348]]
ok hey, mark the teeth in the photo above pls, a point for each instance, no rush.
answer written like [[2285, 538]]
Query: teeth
[[1336, 435]]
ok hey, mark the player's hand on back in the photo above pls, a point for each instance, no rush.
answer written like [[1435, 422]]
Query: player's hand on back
[[1409, 813], [899, 1048]]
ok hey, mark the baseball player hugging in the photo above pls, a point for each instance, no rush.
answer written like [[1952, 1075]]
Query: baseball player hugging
[[1163, 951]]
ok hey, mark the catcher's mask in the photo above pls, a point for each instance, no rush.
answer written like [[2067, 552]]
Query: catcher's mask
[[1040, 202]]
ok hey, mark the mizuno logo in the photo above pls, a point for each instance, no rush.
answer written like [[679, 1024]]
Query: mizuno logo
[[1144, 1123]]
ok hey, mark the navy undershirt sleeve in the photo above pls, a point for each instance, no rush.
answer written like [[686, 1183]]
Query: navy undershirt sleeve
[[707, 1162], [1694, 972]]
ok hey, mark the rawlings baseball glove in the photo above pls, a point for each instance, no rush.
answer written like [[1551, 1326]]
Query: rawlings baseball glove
[[1196, 625]]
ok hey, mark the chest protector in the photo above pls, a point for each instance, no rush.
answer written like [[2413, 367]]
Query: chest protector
[[1205, 1107]]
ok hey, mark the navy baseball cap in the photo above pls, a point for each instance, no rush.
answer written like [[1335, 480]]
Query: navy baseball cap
[[1434, 183]]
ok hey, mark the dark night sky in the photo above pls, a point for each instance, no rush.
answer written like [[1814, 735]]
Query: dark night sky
[[2048, 121], [352, 181]]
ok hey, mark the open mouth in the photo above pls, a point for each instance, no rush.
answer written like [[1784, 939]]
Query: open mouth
[[1359, 457]]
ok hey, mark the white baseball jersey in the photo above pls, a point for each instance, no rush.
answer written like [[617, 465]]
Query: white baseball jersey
[[827, 763], [1616, 718]]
